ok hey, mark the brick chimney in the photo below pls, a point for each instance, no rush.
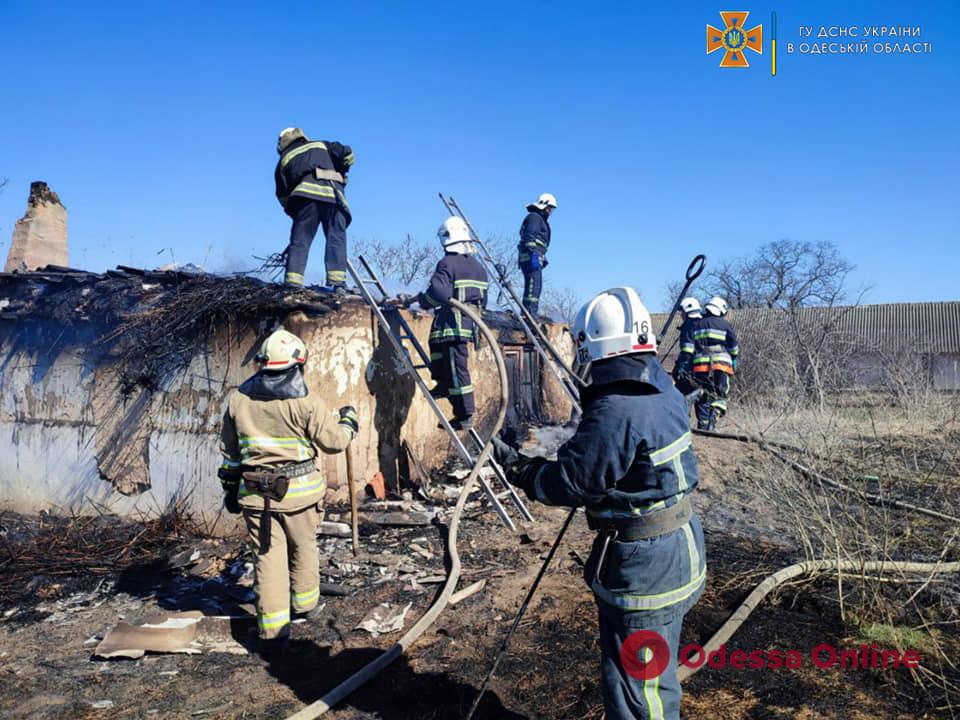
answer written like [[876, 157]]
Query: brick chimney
[[40, 236]]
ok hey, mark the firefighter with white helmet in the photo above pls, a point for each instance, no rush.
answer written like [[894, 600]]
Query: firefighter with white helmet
[[458, 275], [534, 241], [274, 429], [713, 350], [631, 465], [683, 368], [311, 180]]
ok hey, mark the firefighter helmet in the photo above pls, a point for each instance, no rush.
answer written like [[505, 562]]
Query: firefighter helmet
[[281, 351], [717, 306], [613, 323], [691, 307], [546, 200], [454, 235], [287, 136]]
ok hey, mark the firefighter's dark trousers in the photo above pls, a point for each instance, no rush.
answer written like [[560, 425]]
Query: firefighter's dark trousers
[[451, 372], [532, 287], [712, 404], [643, 591], [307, 216]]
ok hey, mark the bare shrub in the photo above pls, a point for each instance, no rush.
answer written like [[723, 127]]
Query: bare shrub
[[874, 448]]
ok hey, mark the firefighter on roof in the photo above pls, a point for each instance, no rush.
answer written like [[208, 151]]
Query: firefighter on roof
[[273, 431], [310, 179], [534, 241]]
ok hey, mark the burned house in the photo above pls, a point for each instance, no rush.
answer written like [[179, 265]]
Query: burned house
[[112, 385]]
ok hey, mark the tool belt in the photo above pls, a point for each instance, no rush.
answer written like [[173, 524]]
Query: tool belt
[[325, 174], [641, 527], [272, 484]]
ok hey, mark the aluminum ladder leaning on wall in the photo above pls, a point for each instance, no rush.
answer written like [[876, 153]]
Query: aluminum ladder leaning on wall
[[369, 284]]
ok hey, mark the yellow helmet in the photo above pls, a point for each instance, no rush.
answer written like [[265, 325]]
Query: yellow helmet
[[281, 351]]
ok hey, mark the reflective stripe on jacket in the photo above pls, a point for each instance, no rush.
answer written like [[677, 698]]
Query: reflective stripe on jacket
[[632, 454], [274, 433], [461, 277], [715, 345], [295, 176], [534, 236]]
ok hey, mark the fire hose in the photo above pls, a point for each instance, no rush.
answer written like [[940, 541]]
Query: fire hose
[[341, 691], [773, 581], [808, 567]]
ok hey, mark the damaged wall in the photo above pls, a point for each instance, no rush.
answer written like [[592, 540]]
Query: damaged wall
[[40, 236], [70, 438]]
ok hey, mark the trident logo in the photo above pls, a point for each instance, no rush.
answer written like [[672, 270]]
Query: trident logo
[[733, 39]]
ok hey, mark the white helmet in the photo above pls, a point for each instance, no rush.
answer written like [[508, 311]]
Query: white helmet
[[454, 235], [287, 136], [281, 351], [614, 323], [691, 307], [546, 200], [717, 306]]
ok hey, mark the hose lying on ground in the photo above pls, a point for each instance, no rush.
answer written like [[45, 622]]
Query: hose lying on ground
[[740, 615], [871, 498], [341, 691]]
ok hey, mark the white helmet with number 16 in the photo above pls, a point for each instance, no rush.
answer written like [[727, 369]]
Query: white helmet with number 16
[[614, 323]]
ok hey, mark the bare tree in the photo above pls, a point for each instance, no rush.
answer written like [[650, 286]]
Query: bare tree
[[406, 261], [782, 274], [561, 304]]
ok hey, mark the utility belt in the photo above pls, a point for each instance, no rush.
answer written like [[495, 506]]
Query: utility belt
[[272, 484], [325, 174], [641, 527]]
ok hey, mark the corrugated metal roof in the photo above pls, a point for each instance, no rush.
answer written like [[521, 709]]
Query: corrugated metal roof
[[928, 327]]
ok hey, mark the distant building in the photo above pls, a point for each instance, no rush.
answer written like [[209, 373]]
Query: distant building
[[923, 337]]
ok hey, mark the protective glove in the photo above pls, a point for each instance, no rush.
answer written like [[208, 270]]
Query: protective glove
[[231, 498], [545, 262], [348, 418], [505, 455], [404, 300], [535, 261]]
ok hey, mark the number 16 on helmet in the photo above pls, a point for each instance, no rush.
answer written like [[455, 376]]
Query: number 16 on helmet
[[613, 323]]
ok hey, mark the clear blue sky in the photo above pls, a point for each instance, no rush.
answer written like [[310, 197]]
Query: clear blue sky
[[156, 123]]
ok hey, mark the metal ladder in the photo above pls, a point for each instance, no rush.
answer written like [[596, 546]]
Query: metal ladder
[[551, 358], [364, 284]]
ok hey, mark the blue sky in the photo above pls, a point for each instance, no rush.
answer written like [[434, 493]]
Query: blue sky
[[156, 123]]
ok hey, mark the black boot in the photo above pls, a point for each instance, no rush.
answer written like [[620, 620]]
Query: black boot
[[464, 423]]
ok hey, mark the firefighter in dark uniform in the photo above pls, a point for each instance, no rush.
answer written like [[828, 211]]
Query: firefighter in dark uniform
[[458, 275], [631, 465], [310, 179], [714, 362], [683, 368], [534, 241]]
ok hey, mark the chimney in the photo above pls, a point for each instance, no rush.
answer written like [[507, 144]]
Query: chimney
[[40, 236]]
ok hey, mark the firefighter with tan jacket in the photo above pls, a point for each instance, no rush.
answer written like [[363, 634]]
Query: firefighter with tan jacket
[[273, 431]]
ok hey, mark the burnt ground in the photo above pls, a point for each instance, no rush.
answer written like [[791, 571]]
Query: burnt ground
[[51, 622]]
